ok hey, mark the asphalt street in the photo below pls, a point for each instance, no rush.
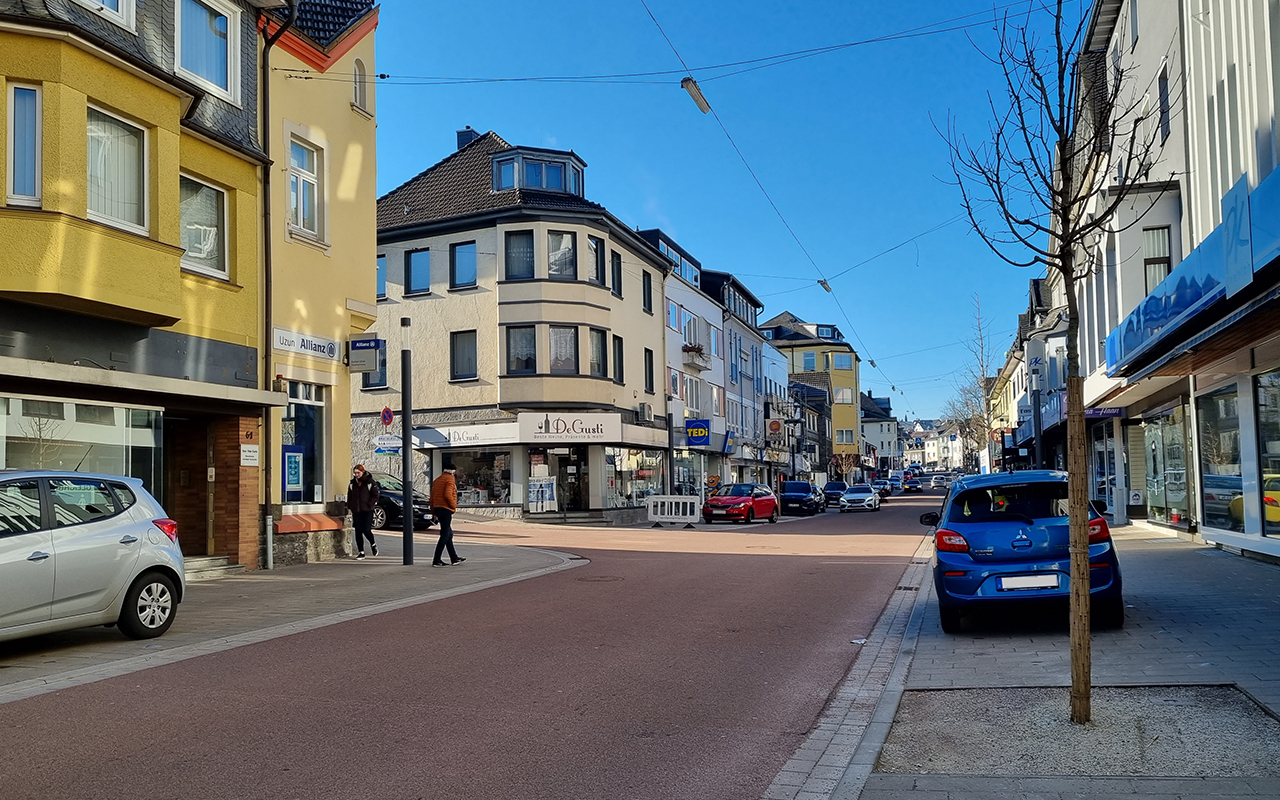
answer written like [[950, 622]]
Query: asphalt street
[[676, 664]]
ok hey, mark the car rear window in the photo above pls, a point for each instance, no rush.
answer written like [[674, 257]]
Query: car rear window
[[1014, 502], [76, 501], [860, 488], [796, 487], [834, 485], [19, 507]]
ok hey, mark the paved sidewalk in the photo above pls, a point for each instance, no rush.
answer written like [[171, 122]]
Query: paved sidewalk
[[254, 606], [1196, 616]]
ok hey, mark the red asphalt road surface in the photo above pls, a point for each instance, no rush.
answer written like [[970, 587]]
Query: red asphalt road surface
[[644, 674]]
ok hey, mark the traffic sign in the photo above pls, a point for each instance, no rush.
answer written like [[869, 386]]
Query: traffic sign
[[387, 416]]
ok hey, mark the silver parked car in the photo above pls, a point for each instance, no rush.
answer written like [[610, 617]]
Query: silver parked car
[[860, 497], [939, 482], [78, 549]]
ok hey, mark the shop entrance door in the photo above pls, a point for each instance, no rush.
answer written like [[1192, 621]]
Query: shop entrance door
[[1104, 464], [188, 492], [572, 478]]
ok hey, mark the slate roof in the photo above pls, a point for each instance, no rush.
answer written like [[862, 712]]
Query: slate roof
[[820, 380], [461, 184], [324, 21], [871, 411], [785, 319]]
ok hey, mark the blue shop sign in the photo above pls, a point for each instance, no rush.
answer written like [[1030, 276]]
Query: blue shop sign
[[698, 432]]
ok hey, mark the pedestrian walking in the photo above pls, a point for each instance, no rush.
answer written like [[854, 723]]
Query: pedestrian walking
[[362, 499], [444, 501]]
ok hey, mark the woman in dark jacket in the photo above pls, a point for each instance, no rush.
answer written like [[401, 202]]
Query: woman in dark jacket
[[362, 499]]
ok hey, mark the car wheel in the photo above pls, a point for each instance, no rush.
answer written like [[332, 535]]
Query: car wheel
[[774, 516], [1109, 614], [149, 607], [950, 618], [751, 515], [379, 518]]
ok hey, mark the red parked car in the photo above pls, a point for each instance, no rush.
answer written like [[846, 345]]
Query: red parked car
[[745, 502]]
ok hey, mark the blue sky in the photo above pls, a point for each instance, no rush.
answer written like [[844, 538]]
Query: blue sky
[[843, 142]]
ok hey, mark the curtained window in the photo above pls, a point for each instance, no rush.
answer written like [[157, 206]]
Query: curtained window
[[562, 256], [599, 365], [522, 350], [203, 212], [116, 170], [564, 350], [519, 256]]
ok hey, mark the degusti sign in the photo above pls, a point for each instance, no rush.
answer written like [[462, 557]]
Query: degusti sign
[[547, 427]]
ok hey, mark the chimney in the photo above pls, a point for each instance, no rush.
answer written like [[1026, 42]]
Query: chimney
[[466, 137]]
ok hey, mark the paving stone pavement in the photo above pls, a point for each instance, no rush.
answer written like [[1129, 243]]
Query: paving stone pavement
[[1196, 615]]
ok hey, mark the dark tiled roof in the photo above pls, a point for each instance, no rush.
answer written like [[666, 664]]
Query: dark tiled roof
[[820, 380], [323, 21], [785, 319], [462, 184], [871, 411]]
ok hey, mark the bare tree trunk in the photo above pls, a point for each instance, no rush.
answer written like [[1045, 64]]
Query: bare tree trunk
[[1078, 537]]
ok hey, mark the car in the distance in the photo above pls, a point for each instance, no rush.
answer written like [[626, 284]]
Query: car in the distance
[[81, 549], [389, 513], [797, 498], [912, 485], [882, 486], [939, 482], [744, 502], [860, 497], [1002, 539], [833, 490], [895, 483]]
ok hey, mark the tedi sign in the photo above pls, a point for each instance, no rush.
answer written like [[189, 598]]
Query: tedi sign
[[294, 342], [546, 427]]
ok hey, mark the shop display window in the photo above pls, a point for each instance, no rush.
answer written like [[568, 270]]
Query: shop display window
[[631, 475], [1268, 413], [1218, 426], [483, 476], [1165, 446]]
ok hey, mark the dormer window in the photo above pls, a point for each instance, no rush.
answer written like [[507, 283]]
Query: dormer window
[[825, 332], [536, 171], [505, 175], [544, 175]]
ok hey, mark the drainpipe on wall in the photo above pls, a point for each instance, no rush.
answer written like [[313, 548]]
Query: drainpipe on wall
[[268, 322]]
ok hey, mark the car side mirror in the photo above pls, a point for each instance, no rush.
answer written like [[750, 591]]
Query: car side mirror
[[930, 519], [1100, 506]]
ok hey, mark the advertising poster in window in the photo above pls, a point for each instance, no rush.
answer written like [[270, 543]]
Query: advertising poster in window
[[542, 495]]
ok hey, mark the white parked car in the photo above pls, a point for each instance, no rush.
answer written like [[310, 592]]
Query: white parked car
[[939, 482], [78, 549], [860, 497]]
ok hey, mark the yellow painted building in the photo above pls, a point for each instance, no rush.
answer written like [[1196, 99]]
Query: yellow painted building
[[810, 348]]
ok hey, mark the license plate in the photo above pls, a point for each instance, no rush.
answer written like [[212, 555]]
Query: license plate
[[718, 511], [1029, 582], [793, 505]]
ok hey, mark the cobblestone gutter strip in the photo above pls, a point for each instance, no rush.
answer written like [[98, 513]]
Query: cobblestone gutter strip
[[79, 677], [839, 753]]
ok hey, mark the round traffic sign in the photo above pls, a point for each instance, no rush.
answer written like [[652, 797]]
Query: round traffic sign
[[387, 416]]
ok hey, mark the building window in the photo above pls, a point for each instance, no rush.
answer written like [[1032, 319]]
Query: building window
[[117, 172], [483, 476], [1164, 104], [208, 42], [717, 400], [96, 415], [564, 350], [24, 145], [1155, 255], [599, 365], [648, 370], [619, 374], [417, 272], [562, 256], [767, 333], [844, 395], [382, 278], [302, 437], [544, 175], [522, 350], [202, 210], [519, 255], [304, 188], [378, 378], [359, 87], [675, 383], [504, 175], [824, 332], [1218, 419], [673, 315], [462, 265], [575, 179], [462, 355], [842, 360], [1133, 22], [646, 291], [1268, 416], [714, 336], [43, 409], [118, 11], [595, 252], [616, 263], [810, 362]]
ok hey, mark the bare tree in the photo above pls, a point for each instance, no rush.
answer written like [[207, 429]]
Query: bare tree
[[1065, 148], [970, 407], [846, 463]]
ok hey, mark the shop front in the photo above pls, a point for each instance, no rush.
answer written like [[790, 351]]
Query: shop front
[[1166, 455], [546, 464], [1108, 460]]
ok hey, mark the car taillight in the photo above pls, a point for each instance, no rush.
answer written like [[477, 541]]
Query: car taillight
[[1270, 501], [950, 541], [1098, 531], [168, 527]]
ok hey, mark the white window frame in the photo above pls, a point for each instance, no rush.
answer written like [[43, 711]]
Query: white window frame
[[124, 17], [22, 199], [226, 239], [232, 93], [359, 86], [144, 229], [319, 177]]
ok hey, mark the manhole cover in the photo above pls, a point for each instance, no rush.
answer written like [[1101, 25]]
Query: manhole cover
[[600, 578]]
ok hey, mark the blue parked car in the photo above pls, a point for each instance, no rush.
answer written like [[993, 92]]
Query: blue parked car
[[1002, 539]]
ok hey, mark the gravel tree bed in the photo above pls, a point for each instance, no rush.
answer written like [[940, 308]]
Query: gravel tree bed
[[1142, 731]]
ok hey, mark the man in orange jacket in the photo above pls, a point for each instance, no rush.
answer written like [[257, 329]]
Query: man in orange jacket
[[444, 501]]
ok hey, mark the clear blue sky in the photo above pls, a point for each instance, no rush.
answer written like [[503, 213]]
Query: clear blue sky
[[842, 141]]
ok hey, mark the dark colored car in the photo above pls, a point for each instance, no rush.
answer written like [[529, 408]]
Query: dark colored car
[[390, 511], [1002, 539], [912, 485], [797, 498], [745, 502], [833, 492]]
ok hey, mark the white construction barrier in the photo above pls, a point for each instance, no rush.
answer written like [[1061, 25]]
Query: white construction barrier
[[678, 509]]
